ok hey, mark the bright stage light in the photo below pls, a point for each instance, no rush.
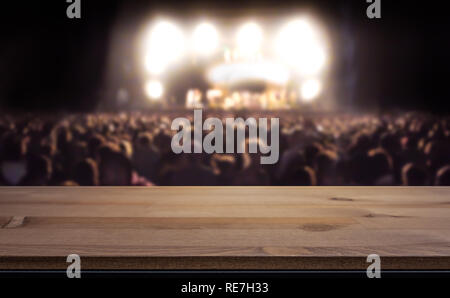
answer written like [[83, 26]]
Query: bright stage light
[[154, 90], [249, 39], [165, 45], [155, 64], [300, 46], [310, 90], [241, 72], [205, 39]]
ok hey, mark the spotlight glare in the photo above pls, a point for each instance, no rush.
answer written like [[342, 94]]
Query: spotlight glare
[[164, 46], [154, 90], [310, 90], [205, 39], [155, 64], [249, 39], [300, 46]]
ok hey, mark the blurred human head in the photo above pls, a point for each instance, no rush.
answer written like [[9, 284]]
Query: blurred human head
[[380, 164], [115, 168], [86, 173], [223, 166], [325, 166], [13, 166], [390, 143], [95, 142], [413, 175], [443, 176], [63, 138], [39, 170], [300, 176]]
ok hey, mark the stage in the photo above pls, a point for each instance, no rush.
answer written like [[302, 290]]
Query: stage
[[209, 228]]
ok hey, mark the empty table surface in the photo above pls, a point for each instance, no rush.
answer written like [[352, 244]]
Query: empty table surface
[[225, 227]]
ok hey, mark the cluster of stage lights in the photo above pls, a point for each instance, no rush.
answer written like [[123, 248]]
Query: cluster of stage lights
[[298, 45]]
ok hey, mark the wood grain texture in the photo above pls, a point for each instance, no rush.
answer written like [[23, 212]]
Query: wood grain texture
[[225, 227]]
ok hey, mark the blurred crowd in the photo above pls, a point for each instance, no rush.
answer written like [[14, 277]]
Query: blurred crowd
[[122, 149]]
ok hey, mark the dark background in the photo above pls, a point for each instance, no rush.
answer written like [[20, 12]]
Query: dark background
[[49, 62]]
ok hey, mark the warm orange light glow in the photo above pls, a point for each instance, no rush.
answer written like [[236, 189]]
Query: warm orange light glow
[[154, 90], [249, 39], [310, 90], [205, 39], [300, 45], [164, 46]]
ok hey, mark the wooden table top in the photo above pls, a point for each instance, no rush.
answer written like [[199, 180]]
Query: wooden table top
[[225, 227]]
